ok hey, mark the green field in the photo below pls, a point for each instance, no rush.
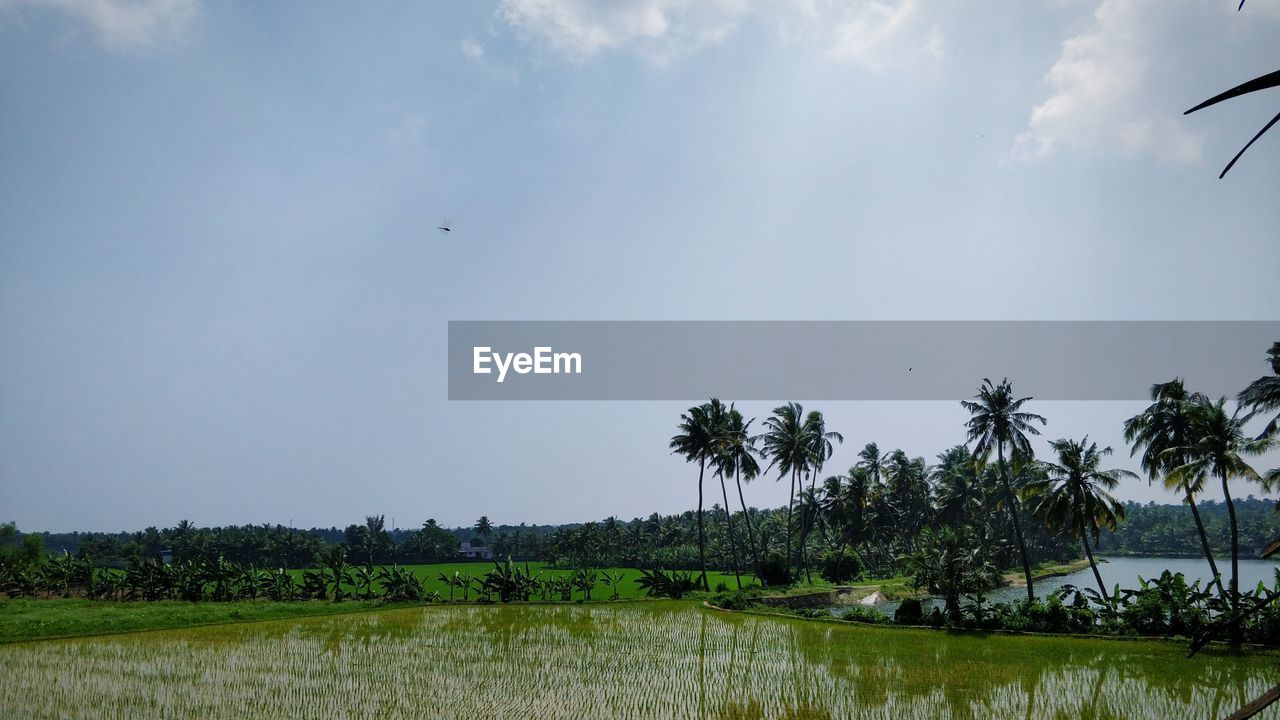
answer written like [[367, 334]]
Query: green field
[[617, 660], [33, 619], [429, 574]]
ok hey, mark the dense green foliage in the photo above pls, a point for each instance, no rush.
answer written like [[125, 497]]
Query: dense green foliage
[[1167, 530]]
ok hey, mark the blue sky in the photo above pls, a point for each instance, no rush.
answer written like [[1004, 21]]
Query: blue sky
[[223, 297]]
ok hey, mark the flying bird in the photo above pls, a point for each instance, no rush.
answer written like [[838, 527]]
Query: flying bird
[[444, 227]]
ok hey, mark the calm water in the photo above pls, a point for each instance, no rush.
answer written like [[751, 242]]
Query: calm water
[[1126, 571], [631, 660]]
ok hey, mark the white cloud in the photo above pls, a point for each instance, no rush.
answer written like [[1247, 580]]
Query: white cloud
[[867, 32], [658, 29], [1102, 98], [122, 25], [868, 26], [471, 48]]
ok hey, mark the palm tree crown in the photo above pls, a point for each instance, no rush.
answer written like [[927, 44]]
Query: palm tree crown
[[1076, 496], [1263, 394], [997, 421]]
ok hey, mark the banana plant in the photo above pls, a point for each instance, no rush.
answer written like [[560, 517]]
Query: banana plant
[[363, 578], [613, 581], [399, 584], [281, 587], [584, 581], [315, 585], [450, 581], [337, 571]]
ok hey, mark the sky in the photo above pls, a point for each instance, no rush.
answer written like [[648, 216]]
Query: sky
[[223, 296]]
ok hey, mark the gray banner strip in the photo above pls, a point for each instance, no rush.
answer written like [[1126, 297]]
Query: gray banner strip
[[914, 360]]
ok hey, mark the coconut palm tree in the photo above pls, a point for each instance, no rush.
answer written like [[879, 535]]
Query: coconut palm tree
[[1217, 447], [958, 491], [1075, 494], [1263, 394], [949, 564], [1161, 433], [821, 447], [483, 527], [997, 421], [696, 442], [856, 491], [788, 446], [726, 464], [869, 459], [739, 459]]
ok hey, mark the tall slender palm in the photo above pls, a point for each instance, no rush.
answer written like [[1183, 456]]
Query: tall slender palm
[[740, 461], [483, 527], [724, 465], [696, 443], [810, 508], [1161, 433], [1216, 446], [821, 444], [996, 421], [1075, 495], [1263, 394], [786, 444]]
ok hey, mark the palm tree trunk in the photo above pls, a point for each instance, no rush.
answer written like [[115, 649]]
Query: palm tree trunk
[[702, 535], [1235, 563], [802, 552], [733, 543], [1017, 524], [791, 502], [1204, 541], [804, 537], [751, 533], [1094, 566]]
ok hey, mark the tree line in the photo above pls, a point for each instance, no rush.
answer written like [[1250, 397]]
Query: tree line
[[941, 522]]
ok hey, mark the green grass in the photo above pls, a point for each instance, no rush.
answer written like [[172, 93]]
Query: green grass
[[616, 660], [629, 589], [30, 619]]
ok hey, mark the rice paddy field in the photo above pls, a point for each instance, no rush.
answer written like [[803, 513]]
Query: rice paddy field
[[629, 660]]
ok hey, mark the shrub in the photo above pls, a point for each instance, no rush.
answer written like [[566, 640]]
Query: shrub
[[657, 582], [864, 615], [910, 612], [812, 613], [837, 566], [774, 570]]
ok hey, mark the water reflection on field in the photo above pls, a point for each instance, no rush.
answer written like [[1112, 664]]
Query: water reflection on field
[[637, 660], [1127, 573]]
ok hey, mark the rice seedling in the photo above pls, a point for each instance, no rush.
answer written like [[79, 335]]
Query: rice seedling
[[642, 660]]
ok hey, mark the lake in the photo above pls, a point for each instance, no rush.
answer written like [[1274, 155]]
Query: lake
[[1126, 571]]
